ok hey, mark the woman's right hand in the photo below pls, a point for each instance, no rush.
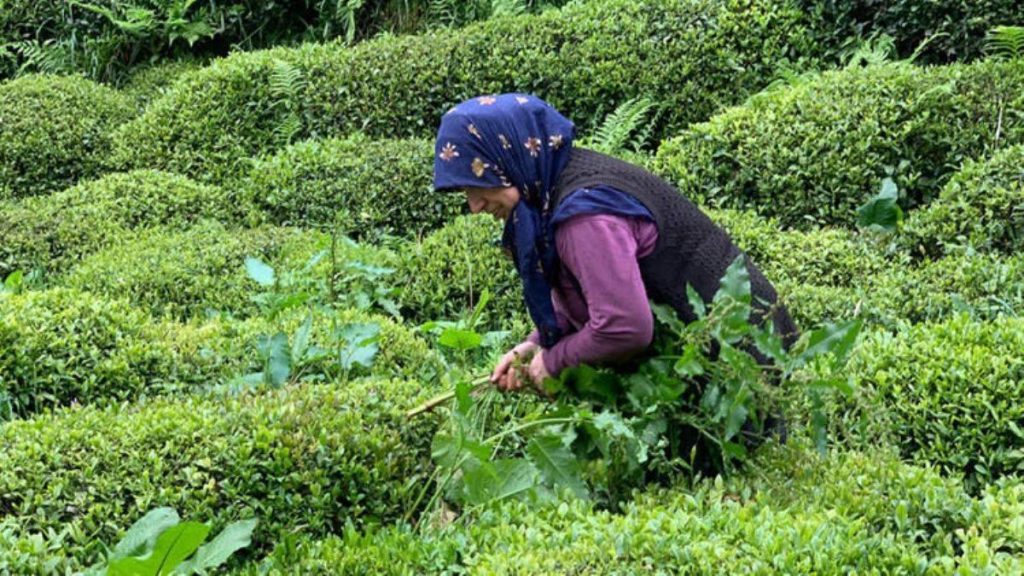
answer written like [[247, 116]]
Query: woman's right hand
[[505, 375]]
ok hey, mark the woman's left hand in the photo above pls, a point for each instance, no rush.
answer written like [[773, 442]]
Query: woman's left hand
[[537, 371]]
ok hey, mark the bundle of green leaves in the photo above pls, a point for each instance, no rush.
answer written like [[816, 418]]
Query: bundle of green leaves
[[693, 407]]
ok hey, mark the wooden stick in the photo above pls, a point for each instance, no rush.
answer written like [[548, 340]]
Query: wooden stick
[[438, 400]]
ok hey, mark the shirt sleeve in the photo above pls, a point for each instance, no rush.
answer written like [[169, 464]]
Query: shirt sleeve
[[563, 322], [600, 251]]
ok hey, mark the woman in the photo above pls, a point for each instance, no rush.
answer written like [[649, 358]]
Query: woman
[[593, 238]]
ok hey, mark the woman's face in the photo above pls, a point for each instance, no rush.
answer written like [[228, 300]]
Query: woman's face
[[497, 202]]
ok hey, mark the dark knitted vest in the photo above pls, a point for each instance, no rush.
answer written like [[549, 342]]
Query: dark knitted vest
[[691, 249]]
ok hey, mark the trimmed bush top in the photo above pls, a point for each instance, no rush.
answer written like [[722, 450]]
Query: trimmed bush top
[[366, 187], [52, 232], [54, 131], [306, 458], [981, 209], [812, 153], [690, 56]]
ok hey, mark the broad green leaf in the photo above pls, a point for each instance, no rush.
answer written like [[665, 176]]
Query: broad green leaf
[[499, 480], [734, 421], [556, 463], [301, 344], [882, 212], [139, 539], [259, 271], [172, 547], [735, 284], [460, 339], [734, 450], [14, 281], [359, 344], [668, 316], [478, 310], [696, 302], [233, 538], [276, 358], [769, 344], [462, 398], [447, 450], [835, 338], [689, 364]]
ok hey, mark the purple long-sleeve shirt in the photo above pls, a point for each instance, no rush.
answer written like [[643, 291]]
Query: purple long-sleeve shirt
[[608, 319]]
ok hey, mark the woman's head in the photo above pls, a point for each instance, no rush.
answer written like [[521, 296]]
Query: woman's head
[[501, 149]]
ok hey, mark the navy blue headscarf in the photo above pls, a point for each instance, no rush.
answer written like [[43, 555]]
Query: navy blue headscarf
[[520, 140]]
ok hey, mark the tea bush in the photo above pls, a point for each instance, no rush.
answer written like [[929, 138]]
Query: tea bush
[[52, 232], [148, 83], [306, 459], [690, 56], [982, 285], [381, 187], [445, 273], [950, 391], [828, 256], [812, 153], [54, 131], [795, 513], [30, 554], [62, 346], [981, 208], [184, 273]]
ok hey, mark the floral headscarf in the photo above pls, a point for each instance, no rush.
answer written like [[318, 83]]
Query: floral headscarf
[[512, 140]]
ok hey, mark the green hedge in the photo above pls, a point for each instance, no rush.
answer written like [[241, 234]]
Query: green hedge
[[848, 513], [983, 285], [827, 256], [184, 273], [445, 273], [304, 459], [981, 209], [148, 83], [63, 346], [947, 393], [382, 186], [53, 232], [689, 56], [956, 29], [814, 152], [54, 131]]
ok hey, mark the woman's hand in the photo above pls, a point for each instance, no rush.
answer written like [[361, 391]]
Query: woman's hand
[[505, 375], [538, 372]]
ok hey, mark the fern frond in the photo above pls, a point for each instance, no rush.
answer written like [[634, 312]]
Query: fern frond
[[873, 51], [48, 58], [1005, 42], [508, 7], [613, 134], [286, 84], [286, 81]]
